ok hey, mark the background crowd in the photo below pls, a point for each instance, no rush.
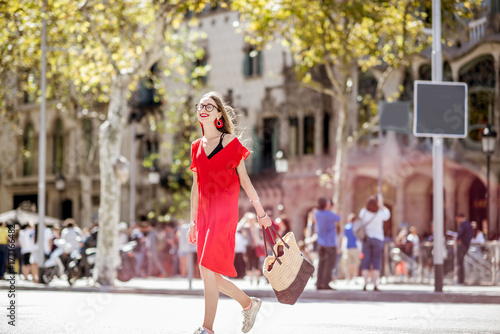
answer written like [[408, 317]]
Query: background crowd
[[162, 250]]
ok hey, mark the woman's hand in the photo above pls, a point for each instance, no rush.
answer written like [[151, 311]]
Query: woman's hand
[[192, 234], [265, 222]]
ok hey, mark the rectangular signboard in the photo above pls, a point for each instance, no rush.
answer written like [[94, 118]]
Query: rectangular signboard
[[440, 109], [394, 116]]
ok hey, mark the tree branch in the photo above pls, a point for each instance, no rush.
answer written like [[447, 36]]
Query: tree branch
[[319, 88], [154, 52]]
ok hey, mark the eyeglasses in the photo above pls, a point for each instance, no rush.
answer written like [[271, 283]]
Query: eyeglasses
[[208, 107]]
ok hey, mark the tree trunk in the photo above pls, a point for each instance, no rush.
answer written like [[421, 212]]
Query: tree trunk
[[86, 193], [110, 139], [341, 144]]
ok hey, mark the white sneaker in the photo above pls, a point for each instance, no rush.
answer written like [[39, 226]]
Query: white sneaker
[[250, 315], [201, 330]]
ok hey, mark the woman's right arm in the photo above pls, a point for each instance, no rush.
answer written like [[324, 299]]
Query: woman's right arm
[[194, 209]]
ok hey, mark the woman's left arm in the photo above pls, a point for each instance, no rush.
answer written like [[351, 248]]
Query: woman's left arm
[[246, 183]]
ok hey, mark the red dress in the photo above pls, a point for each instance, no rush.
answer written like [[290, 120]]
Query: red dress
[[218, 193]]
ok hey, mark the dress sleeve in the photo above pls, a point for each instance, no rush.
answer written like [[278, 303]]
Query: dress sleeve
[[194, 149], [241, 154]]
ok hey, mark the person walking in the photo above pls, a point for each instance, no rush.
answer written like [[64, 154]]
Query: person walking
[[4, 248], [327, 242], [413, 241], [350, 250], [254, 247], [218, 172], [27, 243], [154, 264], [464, 237], [373, 217], [72, 234]]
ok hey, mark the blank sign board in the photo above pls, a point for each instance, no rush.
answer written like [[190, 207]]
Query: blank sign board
[[394, 116], [440, 109]]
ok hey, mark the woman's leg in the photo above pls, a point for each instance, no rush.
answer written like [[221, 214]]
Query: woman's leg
[[211, 296], [378, 248], [230, 289], [366, 261]]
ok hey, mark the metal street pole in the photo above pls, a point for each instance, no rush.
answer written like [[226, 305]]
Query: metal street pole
[[488, 216], [132, 171], [437, 154], [380, 156], [42, 149]]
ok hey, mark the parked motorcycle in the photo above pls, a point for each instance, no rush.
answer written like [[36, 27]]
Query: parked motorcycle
[[126, 270], [53, 266], [82, 263]]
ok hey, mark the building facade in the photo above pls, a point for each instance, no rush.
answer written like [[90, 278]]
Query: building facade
[[275, 113]]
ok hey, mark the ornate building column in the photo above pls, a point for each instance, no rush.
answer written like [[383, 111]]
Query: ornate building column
[[284, 134]]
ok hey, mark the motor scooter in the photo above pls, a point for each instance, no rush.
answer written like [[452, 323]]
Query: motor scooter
[[53, 266]]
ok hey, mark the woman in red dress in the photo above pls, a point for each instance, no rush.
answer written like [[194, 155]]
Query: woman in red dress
[[219, 171]]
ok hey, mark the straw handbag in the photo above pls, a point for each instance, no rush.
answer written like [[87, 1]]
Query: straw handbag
[[287, 270]]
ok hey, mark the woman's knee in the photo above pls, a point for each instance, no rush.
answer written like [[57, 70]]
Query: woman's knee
[[206, 273]]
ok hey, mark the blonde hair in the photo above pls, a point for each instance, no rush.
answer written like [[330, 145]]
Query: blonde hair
[[227, 111]]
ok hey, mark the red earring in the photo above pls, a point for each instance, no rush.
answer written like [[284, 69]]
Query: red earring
[[201, 125], [218, 123]]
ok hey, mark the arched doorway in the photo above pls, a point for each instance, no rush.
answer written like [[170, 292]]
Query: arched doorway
[[477, 202], [67, 209]]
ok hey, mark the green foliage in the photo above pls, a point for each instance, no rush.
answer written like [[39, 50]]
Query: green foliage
[[342, 33], [91, 42]]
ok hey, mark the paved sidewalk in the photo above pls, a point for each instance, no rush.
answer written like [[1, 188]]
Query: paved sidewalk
[[344, 291]]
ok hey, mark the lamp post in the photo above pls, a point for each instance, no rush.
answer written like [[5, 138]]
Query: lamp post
[[488, 139], [281, 165], [60, 184], [154, 180]]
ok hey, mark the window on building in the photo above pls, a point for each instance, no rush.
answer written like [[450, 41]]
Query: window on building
[[479, 75], [29, 95], [269, 142], [28, 150], [294, 136], [407, 87], [495, 7], [309, 135], [326, 133], [201, 69], [58, 147], [88, 132], [367, 88], [252, 62]]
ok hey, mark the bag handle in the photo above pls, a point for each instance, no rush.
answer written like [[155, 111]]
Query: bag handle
[[266, 237]]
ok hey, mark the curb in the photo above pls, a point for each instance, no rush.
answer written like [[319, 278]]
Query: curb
[[307, 295]]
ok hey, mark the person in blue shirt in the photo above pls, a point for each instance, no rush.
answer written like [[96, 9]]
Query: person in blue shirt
[[325, 221], [350, 249]]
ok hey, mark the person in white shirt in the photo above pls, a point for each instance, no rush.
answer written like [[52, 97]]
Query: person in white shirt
[[35, 259], [414, 241], [27, 243], [478, 236], [72, 234], [373, 217]]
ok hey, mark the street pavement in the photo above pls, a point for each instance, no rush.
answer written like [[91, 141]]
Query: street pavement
[[391, 292], [65, 312]]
